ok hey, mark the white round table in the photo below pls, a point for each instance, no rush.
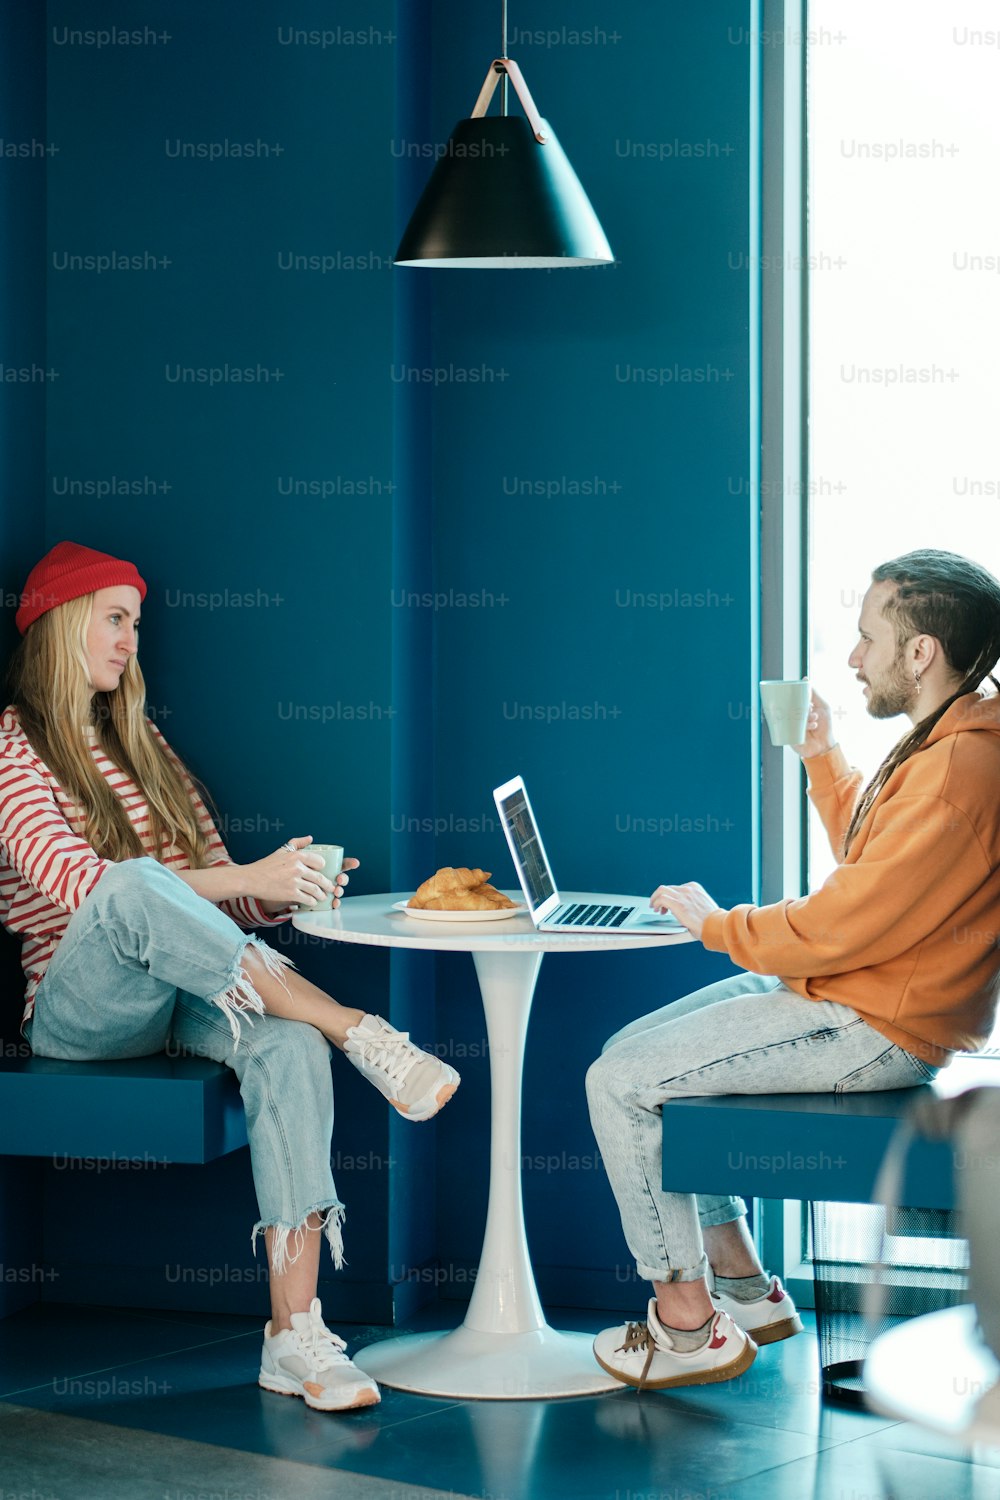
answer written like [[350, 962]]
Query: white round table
[[504, 1350]]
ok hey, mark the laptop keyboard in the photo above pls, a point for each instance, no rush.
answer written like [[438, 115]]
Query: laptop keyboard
[[582, 915]]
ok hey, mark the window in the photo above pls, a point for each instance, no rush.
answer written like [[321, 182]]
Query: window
[[891, 433], [904, 301]]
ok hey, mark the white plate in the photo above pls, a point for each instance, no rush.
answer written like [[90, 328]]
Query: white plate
[[496, 915]]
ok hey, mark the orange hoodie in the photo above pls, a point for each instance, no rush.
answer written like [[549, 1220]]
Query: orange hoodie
[[906, 930]]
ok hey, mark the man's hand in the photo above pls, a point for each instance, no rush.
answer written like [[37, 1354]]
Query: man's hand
[[819, 729], [689, 903]]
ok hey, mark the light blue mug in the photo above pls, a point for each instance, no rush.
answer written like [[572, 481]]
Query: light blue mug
[[333, 863]]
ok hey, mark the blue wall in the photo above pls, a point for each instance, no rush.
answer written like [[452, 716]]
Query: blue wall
[[582, 490], [566, 489], [22, 465]]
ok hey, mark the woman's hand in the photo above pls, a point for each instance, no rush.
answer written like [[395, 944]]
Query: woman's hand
[[343, 878], [819, 729], [293, 875], [689, 903]]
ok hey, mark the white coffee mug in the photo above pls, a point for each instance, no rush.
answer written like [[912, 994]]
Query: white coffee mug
[[786, 709]]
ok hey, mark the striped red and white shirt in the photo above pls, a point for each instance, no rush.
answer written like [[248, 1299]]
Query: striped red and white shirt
[[47, 868]]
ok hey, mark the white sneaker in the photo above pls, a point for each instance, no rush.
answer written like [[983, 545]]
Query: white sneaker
[[643, 1354], [768, 1318], [308, 1360], [415, 1082]]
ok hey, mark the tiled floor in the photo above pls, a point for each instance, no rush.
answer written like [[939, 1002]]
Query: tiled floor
[[109, 1404]]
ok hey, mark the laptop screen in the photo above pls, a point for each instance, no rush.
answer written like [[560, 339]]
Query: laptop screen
[[536, 878]]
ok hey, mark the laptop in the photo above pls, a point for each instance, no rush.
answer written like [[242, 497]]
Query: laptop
[[548, 910]]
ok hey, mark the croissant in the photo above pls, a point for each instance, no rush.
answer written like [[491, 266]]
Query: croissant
[[481, 898], [460, 889], [448, 880], [497, 897]]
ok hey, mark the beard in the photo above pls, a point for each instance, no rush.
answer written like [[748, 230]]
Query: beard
[[893, 693]]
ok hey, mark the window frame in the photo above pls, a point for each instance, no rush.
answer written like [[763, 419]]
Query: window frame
[[779, 193], [780, 328]]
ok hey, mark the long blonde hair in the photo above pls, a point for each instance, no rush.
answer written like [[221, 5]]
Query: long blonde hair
[[55, 702]]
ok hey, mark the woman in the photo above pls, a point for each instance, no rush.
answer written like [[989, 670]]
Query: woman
[[131, 914], [887, 970]]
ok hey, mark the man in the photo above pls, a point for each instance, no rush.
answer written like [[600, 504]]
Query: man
[[886, 971]]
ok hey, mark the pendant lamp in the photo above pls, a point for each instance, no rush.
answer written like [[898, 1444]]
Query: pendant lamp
[[503, 194]]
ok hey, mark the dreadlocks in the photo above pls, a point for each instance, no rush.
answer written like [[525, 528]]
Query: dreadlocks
[[958, 602]]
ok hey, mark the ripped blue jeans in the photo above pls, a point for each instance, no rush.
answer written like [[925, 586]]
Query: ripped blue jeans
[[744, 1035], [146, 965]]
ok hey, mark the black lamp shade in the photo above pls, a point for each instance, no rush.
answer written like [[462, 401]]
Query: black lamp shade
[[498, 198]]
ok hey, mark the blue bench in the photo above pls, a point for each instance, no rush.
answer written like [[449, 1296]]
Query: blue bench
[[824, 1147], [161, 1108]]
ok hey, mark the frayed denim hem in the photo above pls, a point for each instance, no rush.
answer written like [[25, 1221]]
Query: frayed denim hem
[[331, 1223], [240, 993]]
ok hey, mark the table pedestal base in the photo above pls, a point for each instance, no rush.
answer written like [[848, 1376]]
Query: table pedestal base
[[488, 1366]]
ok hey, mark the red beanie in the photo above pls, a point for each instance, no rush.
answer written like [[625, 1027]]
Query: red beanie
[[68, 572]]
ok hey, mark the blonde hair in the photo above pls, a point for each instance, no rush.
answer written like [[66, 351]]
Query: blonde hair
[[55, 703]]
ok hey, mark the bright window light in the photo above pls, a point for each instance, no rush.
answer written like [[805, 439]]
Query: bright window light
[[904, 311], [904, 358]]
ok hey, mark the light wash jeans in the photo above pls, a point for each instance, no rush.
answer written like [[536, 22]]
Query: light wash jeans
[[745, 1035], [147, 964]]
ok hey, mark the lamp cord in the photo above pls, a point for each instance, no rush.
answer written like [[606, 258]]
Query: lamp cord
[[503, 53]]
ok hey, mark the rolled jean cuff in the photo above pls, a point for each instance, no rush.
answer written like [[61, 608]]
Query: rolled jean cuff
[[726, 1212], [673, 1273]]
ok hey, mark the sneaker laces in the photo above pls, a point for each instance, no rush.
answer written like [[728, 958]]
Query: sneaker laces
[[324, 1348], [638, 1337], [391, 1052]]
